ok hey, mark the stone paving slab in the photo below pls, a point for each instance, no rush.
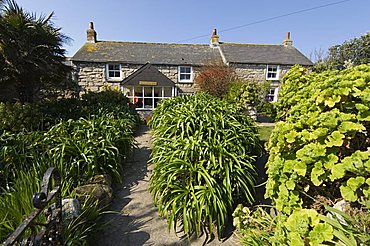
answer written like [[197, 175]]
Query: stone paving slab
[[266, 123], [136, 220]]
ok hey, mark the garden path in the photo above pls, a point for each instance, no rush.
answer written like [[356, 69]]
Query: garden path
[[136, 220]]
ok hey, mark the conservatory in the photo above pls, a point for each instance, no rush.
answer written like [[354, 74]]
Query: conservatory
[[147, 86]]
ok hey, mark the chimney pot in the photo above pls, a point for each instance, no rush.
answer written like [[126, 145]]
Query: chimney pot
[[287, 41], [91, 34], [214, 39]]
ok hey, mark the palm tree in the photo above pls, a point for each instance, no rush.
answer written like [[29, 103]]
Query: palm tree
[[31, 53]]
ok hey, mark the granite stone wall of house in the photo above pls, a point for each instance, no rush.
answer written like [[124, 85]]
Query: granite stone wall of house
[[92, 76], [256, 72]]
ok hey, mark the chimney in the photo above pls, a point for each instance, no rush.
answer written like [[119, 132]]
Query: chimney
[[91, 34], [288, 41], [214, 39]]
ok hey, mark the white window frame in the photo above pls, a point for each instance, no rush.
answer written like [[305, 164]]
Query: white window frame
[[185, 80], [274, 96], [143, 97], [277, 74], [107, 72]]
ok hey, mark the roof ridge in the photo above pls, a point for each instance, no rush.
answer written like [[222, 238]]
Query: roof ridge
[[177, 44], [245, 44], [134, 42]]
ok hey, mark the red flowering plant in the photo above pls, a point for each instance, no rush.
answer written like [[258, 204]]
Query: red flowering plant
[[215, 79]]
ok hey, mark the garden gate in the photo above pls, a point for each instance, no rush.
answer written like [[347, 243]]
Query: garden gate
[[51, 231]]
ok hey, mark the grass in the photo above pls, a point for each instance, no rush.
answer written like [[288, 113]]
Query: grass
[[265, 132]]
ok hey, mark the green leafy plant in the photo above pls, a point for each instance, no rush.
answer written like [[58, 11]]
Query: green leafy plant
[[321, 150], [20, 117], [92, 104], [79, 148], [31, 54], [267, 109], [303, 226], [82, 148], [204, 153], [257, 227], [250, 95], [88, 223], [323, 142], [351, 53], [244, 93], [16, 203]]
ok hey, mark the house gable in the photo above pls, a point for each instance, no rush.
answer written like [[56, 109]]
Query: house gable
[[149, 75]]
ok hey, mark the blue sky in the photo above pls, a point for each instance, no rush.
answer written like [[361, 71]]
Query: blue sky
[[171, 21]]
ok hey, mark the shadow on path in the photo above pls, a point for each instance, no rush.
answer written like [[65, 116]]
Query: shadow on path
[[135, 219], [131, 212]]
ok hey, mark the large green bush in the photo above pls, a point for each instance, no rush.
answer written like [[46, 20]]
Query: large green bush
[[244, 93], [204, 153], [88, 136], [320, 155], [321, 148], [43, 115], [250, 95], [95, 143], [19, 117]]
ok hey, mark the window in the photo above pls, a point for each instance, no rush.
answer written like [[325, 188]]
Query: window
[[147, 97], [272, 72], [272, 94], [113, 71], [185, 74]]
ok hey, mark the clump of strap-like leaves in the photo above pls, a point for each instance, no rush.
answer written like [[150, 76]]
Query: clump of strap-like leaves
[[321, 151], [204, 153]]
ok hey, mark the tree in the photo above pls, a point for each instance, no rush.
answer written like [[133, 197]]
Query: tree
[[31, 54], [215, 79], [351, 53]]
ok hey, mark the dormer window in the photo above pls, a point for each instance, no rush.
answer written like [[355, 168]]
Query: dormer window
[[113, 71], [185, 74], [272, 72]]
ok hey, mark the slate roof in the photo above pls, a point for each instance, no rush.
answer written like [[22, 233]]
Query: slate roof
[[141, 53], [191, 54], [263, 54], [148, 73]]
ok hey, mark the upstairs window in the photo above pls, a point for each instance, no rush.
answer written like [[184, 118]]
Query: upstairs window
[[185, 74], [113, 71], [272, 72]]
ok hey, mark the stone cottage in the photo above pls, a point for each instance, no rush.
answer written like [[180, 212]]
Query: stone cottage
[[150, 72]]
